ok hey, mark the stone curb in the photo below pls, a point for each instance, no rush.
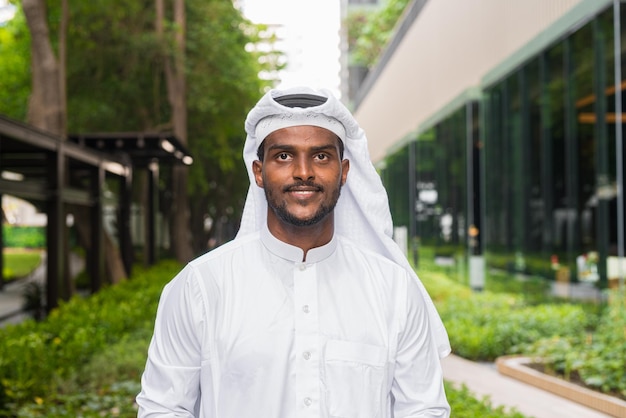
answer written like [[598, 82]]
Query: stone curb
[[515, 367]]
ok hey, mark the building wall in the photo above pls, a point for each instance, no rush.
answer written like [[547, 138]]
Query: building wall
[[451, 46], [521, 164]]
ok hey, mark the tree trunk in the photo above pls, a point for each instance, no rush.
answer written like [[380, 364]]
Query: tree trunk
[[65, 18], [45, 109], [180, 231], [114, 267]]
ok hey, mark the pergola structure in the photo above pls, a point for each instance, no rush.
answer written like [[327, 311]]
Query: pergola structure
[[52, 172], [146, 151]]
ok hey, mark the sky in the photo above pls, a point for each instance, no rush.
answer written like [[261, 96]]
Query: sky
[[311, 38], [6, 11]]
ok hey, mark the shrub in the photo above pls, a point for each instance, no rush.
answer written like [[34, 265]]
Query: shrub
[[24, 236], [105, 386], [465, 405], [35, 355], [485, 325], [597, 359]]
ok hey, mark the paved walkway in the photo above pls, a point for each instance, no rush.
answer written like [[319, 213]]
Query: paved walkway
[[481, 379], [11, 298]]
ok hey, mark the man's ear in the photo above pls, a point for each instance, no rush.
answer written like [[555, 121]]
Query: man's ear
[[257, 170], [345, 167]]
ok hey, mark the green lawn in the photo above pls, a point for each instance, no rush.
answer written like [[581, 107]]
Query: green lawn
[[19, 263]]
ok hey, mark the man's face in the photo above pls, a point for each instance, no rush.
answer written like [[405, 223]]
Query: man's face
[[302, 174]]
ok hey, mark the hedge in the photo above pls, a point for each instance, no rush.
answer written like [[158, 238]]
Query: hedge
[[35, 355]]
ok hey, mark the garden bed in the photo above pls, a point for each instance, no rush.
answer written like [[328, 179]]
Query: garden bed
[[524, 369]]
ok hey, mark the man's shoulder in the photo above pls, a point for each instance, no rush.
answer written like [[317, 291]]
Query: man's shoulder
[[368, 255], [228, 249]]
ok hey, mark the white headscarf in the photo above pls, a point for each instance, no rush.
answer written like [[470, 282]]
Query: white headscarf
[[362, 212]]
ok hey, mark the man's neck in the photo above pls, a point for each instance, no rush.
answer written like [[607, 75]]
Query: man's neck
[[303, 237]]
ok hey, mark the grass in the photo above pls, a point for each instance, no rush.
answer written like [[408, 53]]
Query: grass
[[19, 263]]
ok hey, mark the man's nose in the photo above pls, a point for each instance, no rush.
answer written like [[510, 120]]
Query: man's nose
[[303, 169]]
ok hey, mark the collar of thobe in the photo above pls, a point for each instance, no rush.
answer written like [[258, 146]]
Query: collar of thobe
[[292, 253]]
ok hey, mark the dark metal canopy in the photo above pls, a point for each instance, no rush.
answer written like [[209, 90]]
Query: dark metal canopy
[[142, 147], [51, 172], [25, 162]]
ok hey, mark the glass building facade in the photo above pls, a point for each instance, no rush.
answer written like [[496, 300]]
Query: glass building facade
[[528, 174], [433, 183]]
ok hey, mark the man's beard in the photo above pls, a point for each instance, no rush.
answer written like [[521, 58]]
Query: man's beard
[[283, 213]]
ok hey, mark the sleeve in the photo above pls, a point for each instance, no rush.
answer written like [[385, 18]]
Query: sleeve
[[417, 385], [170, 384]]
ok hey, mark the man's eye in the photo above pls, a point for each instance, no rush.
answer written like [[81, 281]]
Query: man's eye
[[283, 156], [322, 156]]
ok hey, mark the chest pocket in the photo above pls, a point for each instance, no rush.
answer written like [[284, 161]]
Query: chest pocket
[[354, 379]]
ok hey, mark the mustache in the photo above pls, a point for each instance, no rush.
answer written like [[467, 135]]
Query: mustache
[[303, 184]]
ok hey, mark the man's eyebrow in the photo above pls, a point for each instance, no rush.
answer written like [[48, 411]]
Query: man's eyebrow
[[286, 147], [280, 147], [326, 147]]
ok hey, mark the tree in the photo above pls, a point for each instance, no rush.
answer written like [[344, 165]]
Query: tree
[[117, 81], [369, 31], [174, 66], [15, 84], [223, 85]]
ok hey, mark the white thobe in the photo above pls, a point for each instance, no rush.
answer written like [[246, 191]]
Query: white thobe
[[250, 330]]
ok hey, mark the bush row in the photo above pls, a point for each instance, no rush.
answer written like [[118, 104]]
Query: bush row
[[34, 355], [570, 340], [23, 236], [487, 325]]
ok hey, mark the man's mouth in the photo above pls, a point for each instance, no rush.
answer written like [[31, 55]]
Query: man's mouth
[[303, 189], [303, 192]]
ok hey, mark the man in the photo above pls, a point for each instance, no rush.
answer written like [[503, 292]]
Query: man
[[312, 310]]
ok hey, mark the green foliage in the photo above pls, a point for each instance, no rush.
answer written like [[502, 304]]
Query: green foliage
[[35, 356], [581, 342], [116, 400], [107, 384], [14, 67], [486, 326], [530, 264], [23, 236], [223, 86], [465, 405], [598, 359], [369, 31], [34, 299], [533, 288]]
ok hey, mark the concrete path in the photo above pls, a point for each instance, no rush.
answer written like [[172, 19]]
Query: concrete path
[[482, 379], [11, 297]]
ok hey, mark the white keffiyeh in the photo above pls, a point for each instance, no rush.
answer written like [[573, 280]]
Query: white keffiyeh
[[362, 212]]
